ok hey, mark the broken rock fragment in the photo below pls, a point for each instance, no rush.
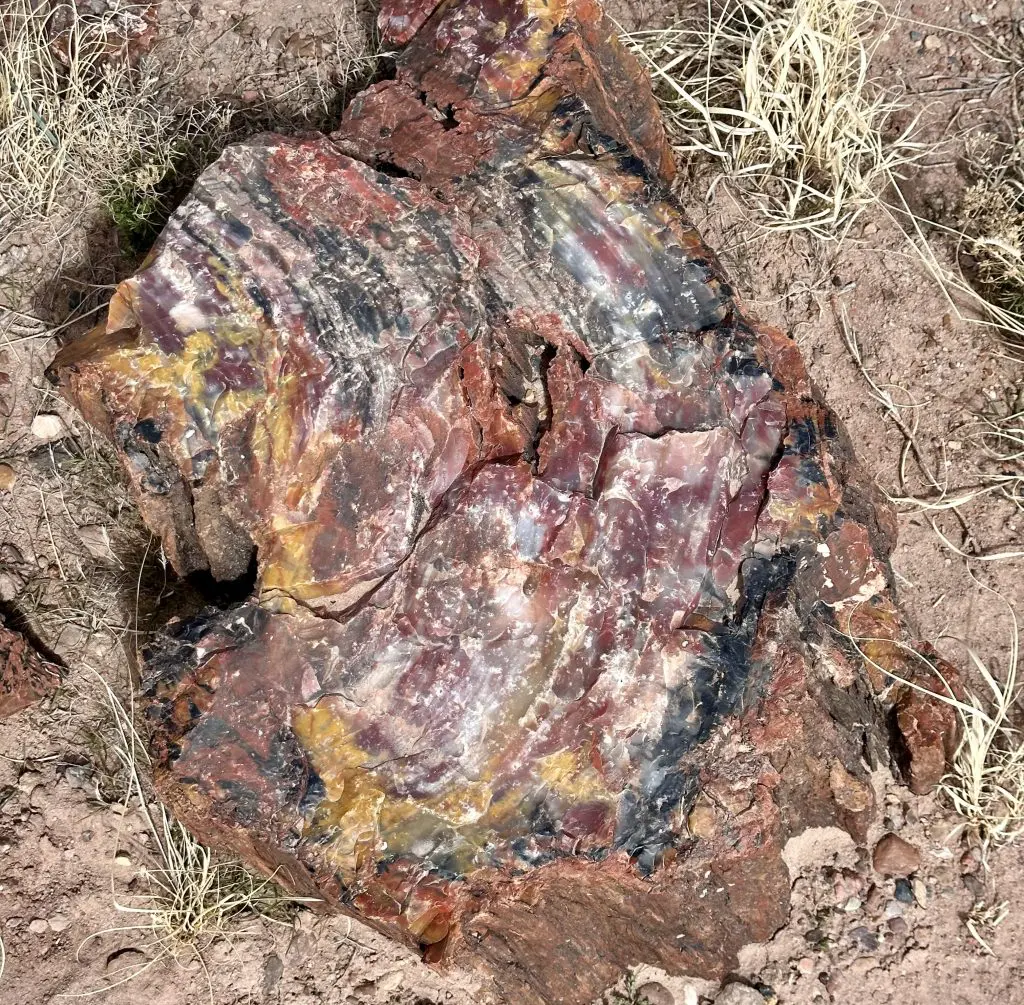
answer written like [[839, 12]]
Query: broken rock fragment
[[24, 677], [557, 549]]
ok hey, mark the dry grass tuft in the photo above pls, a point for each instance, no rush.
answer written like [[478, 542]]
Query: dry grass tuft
[[986, 784], [780, 93], [192, 898], [80, 126], [992, 219]]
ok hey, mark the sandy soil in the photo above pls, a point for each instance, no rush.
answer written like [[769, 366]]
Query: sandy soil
[[78, 571]]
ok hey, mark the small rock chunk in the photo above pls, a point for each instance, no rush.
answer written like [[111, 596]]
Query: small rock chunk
[[655, 993], [895, 857], [904, 892], [48, 427], [739, 994]]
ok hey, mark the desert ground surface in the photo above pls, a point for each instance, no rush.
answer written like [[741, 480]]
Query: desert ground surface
[[81, 575]]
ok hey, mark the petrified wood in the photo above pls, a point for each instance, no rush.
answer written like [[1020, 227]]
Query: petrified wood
[[559, 553], [24, 677]]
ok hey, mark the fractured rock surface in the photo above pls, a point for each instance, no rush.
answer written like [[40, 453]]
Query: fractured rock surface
[[24, 677], [557, 550]]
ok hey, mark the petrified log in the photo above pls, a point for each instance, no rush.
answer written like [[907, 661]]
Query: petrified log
[[560, 555]]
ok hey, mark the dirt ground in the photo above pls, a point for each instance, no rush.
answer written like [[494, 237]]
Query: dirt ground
[[81, 575]]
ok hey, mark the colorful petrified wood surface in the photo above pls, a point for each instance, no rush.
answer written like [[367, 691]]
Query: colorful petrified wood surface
[[535, 508]]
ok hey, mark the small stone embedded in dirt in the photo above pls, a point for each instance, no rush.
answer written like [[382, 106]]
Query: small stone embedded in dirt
[[932, 43], [865, 938], [739, 994], [904, 892], [7, 477], [806, 965], [974, 886], [970, 861], [96, 539], [58, 923], [123, 859], [894, 909], [656, 994], [897, 926], [895, 857], [11, 584], [920, 892], [77, 776], [273, 969], [37, 926], [28, 780], [48, 427]]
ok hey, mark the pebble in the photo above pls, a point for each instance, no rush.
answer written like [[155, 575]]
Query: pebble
[[48, 427], [852, 905], [975, 887], [814, 936], [28, 780], [920, 892], [655, 993], [96, 540], [895, 857], [970, 862], [894, 909], [38, 925], [273, 969], [58, 923], [123, 859], [7, 478], [806, 966], [897, 926], [932, 43], [9, 553], [77, 776], [739, 994], [904, 892], [865, 939]]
